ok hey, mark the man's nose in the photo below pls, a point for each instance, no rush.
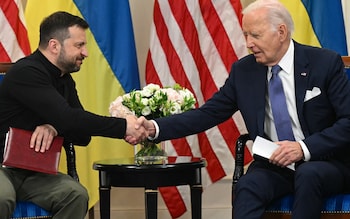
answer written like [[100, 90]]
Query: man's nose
[[84, 52], [249, 42]]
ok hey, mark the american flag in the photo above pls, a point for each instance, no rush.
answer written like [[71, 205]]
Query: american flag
[[194, 43], [14, 43]]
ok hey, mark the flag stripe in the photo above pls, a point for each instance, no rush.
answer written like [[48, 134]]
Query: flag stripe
[[156, 53], [177, 205], [313, 27], [13, 35], [218, 33], [231, 18], [237, 6], [150, 68], [13, 14], [177, 42], [189, 32], [176, 69], [118, 49], [214, 167], [213, 61], [172, 57], [304, 32], [3, 54], [331, 31]]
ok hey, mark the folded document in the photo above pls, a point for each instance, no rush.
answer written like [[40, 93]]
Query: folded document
[[265, 148]]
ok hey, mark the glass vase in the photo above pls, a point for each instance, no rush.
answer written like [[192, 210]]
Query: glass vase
[[150, 153]]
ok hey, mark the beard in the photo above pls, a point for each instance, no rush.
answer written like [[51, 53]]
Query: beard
[[67, 65]]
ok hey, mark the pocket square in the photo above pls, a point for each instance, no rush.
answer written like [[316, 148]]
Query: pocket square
[[312, 93]]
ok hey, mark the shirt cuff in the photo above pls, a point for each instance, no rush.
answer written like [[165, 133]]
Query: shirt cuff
[[307, 155], [156, 132]]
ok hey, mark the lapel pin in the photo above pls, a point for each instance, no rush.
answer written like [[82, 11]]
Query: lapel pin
[[303, 74]]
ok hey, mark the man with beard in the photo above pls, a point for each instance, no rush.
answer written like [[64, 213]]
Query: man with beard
[[38, 93]]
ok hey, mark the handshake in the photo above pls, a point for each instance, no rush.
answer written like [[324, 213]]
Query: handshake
[[138, 129]]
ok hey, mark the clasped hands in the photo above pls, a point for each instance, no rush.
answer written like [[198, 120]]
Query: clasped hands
[[287, 153], [138, 129]]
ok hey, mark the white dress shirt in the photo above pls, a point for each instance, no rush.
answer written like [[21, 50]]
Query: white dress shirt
[[287, 78]]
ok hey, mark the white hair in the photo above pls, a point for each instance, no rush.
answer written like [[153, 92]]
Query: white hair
[[277, 13]]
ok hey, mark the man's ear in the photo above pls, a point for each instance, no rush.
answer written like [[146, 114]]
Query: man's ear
[[54, 46], [283, 32]]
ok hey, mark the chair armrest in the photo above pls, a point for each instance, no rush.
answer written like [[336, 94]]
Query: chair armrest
[[239, 159], [70, 154], [239, 164]]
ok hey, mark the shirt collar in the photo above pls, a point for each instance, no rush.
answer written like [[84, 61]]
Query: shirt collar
[[287, 60], [53, 69]]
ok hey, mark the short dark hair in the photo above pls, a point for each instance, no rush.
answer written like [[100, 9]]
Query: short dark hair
[[56, 26]]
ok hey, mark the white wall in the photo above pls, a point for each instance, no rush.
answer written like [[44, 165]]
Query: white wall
[[142, 15]]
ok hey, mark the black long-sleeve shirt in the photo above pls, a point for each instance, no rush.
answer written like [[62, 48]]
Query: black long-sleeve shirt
[[33, 93]]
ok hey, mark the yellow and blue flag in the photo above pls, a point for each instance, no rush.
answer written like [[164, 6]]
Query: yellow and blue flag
[[319, 23], [110, 70]]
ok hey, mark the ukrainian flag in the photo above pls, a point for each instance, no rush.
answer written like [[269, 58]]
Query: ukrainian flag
[[319, 23], [110, 70]]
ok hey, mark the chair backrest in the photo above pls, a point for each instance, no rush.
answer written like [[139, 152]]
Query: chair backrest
[[4, 67], [346, 60]]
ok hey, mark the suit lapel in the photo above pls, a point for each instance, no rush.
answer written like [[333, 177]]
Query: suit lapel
[[260, 86], [301, 75]]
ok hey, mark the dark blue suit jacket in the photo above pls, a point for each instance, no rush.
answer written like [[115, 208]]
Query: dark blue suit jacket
[[325, 119]]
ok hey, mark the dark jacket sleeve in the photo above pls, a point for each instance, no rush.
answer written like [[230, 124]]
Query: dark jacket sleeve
[[33, 97]]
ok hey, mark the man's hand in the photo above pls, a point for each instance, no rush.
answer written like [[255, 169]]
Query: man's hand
[[134, 132], [147, 124], [42, 137], [287, 153]]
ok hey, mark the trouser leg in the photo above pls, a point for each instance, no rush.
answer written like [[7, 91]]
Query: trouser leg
[[259, 187], [314, 181], [60, 194], [7, 195]]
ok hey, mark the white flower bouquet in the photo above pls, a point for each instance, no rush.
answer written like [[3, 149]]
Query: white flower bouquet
[[153, 102]]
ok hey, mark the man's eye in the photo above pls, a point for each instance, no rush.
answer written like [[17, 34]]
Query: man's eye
[[255, 35], [80, 45]]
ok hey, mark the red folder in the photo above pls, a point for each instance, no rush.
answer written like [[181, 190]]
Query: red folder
[[17, 153]]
